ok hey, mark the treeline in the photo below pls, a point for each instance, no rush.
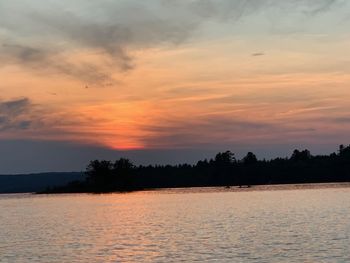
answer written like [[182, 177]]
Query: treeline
[[223, 170]]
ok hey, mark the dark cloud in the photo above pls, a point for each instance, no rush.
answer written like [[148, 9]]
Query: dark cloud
[[342, 120], [24, 53], [16, 114], [259, 54], [327, 120], [14, 107], [45, 60], [35, 33]]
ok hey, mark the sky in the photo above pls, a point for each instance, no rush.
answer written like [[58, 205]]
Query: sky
[[170, 81]]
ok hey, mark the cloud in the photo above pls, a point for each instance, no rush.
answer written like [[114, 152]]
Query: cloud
[[323, 6], [113, 29], [258, 54], [203, 131], [342, 120], [15, 114], [120, 27], [44, 60]]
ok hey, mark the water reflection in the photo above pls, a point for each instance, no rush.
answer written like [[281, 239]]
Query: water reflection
[[178, 225]]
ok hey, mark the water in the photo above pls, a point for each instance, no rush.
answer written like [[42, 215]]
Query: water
[[203, 225]]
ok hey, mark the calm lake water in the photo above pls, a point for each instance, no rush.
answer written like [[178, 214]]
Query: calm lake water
[[201, 225]]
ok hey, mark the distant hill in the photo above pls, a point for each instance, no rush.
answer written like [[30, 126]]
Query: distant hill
[[25, 183]]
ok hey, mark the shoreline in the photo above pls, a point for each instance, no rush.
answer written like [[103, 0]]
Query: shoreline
[[208, 189], [270, 187]]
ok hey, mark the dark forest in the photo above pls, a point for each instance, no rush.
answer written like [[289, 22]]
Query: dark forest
[[222, 170]]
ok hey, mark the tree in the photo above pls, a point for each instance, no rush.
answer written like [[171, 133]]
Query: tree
[[344, 151], [123, 171], [301, 155], [250, 159], [123, 164], [99, 174], [225, 158]]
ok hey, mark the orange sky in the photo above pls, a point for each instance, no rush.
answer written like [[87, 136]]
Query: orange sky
[[174, 77]]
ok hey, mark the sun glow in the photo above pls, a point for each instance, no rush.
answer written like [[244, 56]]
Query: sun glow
[[221, 81]]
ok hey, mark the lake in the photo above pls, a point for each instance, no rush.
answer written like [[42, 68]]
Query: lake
[[271, 224]]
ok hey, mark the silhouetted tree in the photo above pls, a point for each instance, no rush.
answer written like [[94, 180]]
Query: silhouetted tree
[[225, 158], [222, 166], [123, 164], [123, 172], [344, 151], [250, 159], [223, 170], [301, 155], [99, 174]]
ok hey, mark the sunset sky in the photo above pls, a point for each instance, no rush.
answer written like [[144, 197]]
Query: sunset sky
[[168, 81]]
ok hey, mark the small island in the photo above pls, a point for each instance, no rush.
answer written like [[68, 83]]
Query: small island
[[224, 170]]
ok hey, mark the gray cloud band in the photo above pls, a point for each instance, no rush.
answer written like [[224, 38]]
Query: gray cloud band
[[32, 33], [15, 114]]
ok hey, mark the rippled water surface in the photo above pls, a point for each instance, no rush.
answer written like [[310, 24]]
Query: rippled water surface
[[304, 225]]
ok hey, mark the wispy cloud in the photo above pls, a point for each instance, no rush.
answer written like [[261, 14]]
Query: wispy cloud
[[196, 131], [259, 54], [113, 28], [47, 61], [15, 114]]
